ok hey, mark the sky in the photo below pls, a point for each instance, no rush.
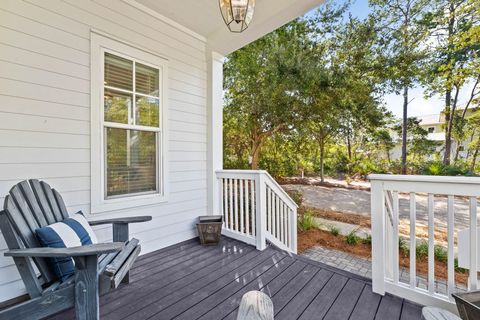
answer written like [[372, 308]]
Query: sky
[[419, 106]]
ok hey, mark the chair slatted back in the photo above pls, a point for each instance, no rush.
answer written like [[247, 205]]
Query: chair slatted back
[[31, 205]]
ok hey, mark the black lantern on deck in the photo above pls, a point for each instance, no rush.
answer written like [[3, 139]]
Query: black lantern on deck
[[237, 14]]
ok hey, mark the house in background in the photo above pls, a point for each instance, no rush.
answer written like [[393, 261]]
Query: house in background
[[434, 124], [118, 105]]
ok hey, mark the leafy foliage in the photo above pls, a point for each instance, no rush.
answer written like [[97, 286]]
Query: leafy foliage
[[308, 97], [306, 221], [352, 238], [334, 230]]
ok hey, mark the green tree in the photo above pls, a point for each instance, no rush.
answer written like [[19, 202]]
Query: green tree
[[260, 81], [454, 57], [403, 40]]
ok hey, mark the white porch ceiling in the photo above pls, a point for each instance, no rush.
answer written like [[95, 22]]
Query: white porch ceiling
[[203, 18]]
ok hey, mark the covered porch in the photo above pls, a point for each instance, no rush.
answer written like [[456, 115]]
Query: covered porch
[[51, 107]]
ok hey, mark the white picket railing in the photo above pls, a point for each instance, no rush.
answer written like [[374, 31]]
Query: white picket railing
[[256, 209], [385, 192]]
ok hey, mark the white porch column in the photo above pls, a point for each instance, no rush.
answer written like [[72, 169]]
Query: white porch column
[[215, 128]]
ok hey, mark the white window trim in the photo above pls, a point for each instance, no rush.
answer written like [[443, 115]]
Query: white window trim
[[99, 44]]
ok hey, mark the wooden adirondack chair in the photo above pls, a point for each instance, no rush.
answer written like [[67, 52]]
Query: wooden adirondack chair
[[98, 268]]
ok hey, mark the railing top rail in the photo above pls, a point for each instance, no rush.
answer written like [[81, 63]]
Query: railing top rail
[[418, 178], [271, 181], [239, 171], [277, 188]]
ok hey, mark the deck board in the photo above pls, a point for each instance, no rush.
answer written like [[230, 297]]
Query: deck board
[[189, 281]]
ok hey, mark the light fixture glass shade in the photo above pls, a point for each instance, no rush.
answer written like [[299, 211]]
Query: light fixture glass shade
[[237, 14]]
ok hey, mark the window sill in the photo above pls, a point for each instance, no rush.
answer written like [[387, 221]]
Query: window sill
[[115, 204]]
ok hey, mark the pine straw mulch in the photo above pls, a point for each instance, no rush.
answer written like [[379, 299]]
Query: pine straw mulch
[[316, 237], [328, 214]]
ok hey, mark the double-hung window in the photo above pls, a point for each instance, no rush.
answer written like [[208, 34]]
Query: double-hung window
[[129, 136]]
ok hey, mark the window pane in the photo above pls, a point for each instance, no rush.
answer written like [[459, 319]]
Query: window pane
[[131, 161], [118, 72], [146, 80], [146, 111], [116, 106]]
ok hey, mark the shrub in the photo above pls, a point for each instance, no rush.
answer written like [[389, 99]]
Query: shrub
[[440, 253], [334, 230], [422, 250], [437, 168], [352, 238], [367, 239], [306, 221], [402, 245]]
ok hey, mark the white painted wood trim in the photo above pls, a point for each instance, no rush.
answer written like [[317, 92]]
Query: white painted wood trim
[[168, 21], [378, 236], [421, 296], [417, 179], [431, 244], [99, 43], [473, 280], [214, 128], [451, 243], [261, 210], [413, 240]]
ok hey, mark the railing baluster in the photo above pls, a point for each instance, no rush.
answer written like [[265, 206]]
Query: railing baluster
[[225, 203], [230, 187], [413, 241], [269, 209], [395, 237], [473, 245], [276, 225], [431, 245], [242, 213], [282, 218], [253, 207], [287, 227], [235, 203], [272, 211], [451, 243], [248, 213]]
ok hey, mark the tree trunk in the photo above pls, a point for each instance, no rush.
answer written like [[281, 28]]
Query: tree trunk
[[255, 157], [448, 93], [322, 158], [349, 147], [448, 133], [475, 155], [404, 130], [256, 146], [457, 152], [451, 118]]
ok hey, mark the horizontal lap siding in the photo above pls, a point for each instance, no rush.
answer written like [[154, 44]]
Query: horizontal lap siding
[[45, 111]]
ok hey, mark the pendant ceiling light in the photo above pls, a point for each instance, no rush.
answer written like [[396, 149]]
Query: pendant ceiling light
[[237, 14]]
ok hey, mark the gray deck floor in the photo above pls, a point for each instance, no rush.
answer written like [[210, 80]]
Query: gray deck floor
[[189, 281]]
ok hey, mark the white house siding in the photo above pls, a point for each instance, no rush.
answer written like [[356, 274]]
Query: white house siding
[[45, 111]]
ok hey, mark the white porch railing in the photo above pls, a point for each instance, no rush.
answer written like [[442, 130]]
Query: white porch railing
[[256, 209], [385, 192]]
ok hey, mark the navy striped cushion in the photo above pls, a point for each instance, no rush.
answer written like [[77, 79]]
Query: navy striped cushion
[[71, 232]]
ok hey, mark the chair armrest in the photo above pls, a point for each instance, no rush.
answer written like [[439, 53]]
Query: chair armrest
[[125, 220], [87, 250]]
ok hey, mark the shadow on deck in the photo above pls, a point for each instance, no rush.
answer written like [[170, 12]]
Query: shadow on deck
[[189, 281]]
